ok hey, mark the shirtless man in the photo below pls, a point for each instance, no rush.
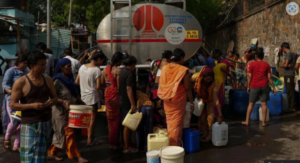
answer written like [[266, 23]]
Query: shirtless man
[[37, 95]]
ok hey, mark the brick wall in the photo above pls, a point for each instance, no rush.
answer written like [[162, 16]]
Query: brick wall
[[272, 25]]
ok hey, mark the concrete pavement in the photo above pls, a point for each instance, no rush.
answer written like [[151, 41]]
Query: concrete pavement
[[253, 144]]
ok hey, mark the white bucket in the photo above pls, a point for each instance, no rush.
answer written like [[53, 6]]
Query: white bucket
[[153, 156], [172, 154]]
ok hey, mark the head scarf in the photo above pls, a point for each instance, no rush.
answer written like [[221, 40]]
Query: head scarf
[[208, 96], [211, 62], [226, 62], [206, 70], [68, 83]]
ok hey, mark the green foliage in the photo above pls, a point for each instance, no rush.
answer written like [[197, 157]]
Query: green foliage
[[206, 11], [35, 6], [91, 12]]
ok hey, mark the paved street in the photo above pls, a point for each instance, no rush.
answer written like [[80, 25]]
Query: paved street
[[279, 141]]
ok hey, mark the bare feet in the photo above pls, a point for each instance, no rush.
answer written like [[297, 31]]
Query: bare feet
[[206, 139], [115, 147], [7, 144], [204, 135], [16, 149], [130, 151], [82, 160], [245, 123], [56, 158]]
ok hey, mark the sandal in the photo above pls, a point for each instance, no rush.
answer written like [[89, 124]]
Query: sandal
[[82, 160], [115, 147], [16, 149], [95, 142], [56, 158], [7, 144], [265, 125], [130, 151]]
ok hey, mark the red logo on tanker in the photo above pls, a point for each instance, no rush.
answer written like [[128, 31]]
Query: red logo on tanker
[[148, 19]]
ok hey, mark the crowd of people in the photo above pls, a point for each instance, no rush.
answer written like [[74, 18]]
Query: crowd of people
[[45, 91]]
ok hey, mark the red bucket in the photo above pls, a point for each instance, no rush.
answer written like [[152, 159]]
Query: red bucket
[[80, 116]]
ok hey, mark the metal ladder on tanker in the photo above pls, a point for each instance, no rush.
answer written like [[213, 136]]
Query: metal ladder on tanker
[[113, 19]]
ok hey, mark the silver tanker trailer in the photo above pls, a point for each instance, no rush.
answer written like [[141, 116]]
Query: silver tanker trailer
[[145, 30]]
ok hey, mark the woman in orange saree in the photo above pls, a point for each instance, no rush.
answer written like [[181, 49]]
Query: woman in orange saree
[[109, 76], [174, 89]]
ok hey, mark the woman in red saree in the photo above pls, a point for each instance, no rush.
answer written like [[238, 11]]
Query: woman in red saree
[[204, 88], [174, 89], [110, 77]]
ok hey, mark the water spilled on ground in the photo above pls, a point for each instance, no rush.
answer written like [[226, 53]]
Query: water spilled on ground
[[252, 144]]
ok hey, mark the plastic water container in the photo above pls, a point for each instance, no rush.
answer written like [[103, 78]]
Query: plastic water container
[[220, 134], [132, 121], [227, 90], [191, 141], [199, 106], [273, 71], [255, 112], [153, 156], [187, 116], [260, 115], [172, 154], [275, 103], [240, 100], [163, 131], [157, 141], [80, 116]]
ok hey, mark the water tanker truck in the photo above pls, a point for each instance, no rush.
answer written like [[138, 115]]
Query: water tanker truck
[[145, 30]]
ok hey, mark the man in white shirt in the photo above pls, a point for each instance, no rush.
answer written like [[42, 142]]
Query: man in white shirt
[[75, 63], [89, 79], [50, 60]]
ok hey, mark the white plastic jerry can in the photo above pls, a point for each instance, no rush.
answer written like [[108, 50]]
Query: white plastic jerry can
[[132, 121], [157, 141], [199, 105], [187, 116], [220, 134], [260, 115]]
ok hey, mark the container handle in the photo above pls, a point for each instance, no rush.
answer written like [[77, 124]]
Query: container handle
[[133, 113], [152, 135]]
